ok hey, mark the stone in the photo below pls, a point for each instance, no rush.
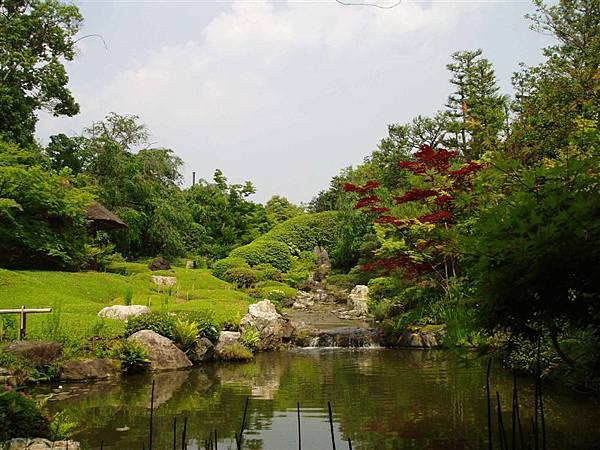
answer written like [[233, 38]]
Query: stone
[[37, 353], [346, 337], [202, 351], [430, 336], [123, 312], [87, 369], [226, 339], [164, 281], [190, 264], [358, 300], [271, 326], [163, 354], [323, 264], [159, 263], [303, 300], [40, 444]]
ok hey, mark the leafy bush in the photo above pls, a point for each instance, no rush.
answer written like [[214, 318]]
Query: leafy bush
[[185, 333], [383, 287], [132, 356], [20, 416], [301, 270], [235, 352], [159, 322], [251, 338], [241, 277], [265, 250], [306, 231], [220, 267], [266, 272], [346, 280], [206, 325]]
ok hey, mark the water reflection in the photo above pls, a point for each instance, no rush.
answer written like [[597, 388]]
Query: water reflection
[[382, 399]]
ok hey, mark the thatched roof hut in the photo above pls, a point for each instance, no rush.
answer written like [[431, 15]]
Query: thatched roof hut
[[102, 219]]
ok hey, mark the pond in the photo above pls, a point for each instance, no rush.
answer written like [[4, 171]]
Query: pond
[[381, 399]]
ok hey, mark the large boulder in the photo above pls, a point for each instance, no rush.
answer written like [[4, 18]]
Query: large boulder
[[163, 354], [323, 264], [430, 336], [122, 312], [39, 444], [303, 300], [37, 353], [203, 350], [358, 300], [271, 326], [159, 263], [160, 280], [86, 369]]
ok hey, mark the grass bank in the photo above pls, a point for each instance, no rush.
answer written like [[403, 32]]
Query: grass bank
[[76, 298]]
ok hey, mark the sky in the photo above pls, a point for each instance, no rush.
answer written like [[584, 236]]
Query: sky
[[282, 93]]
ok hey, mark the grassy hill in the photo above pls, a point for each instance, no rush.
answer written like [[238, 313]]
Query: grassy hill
[[77, 298]]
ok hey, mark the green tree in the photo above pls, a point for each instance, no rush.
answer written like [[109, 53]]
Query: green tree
[[478, 112], [42, 214], [279, 209], [36, 37]]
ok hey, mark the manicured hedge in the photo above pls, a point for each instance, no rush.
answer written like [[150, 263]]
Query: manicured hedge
[[306, 231], [220, 267], [265, 250]]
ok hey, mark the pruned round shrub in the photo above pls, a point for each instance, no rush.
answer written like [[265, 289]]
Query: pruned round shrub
[[267, 251], [241, 276], [220, 267], [20, 416], [306, 231], [159, 322], [266, 272]]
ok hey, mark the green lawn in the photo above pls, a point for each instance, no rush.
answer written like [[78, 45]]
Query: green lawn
[[77, 297]]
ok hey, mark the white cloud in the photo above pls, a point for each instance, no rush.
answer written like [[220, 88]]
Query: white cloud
[[284, 94]]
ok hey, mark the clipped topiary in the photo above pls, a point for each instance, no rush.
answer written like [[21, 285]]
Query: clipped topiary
[[241, 277], [220, 267], [159, 322], [265, 250], [307, 231]]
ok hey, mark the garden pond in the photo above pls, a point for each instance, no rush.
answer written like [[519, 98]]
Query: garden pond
[[381, 399]]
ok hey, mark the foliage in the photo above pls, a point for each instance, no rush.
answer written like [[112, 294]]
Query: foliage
[[301, 269], [305, 232], [42, 215], [220, 268], [223, 216], [242, 277], [20, 416], [160, 322], [251, 338], [36, 38], [279, 209], [205, 324], [185, 333], [266, 272], [132, 355], [235, 352], [265, 250]]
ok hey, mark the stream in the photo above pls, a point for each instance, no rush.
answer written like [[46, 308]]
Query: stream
[[381, 399]]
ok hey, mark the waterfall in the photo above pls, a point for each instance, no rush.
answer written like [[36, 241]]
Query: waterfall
[[347, 337]]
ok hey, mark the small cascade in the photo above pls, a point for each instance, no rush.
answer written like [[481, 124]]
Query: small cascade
[[346, 337]]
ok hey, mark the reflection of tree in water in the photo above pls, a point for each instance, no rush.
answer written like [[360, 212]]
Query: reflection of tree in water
[[381, 399]]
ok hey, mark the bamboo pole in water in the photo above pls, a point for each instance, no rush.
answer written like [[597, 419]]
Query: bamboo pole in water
[[174, 433], [299, 430], [331, 425], [489, 405], [184, 435]]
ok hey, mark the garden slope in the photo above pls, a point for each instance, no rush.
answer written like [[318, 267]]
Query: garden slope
[[77, 297]]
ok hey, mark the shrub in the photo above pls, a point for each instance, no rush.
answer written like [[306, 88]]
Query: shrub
[[383, 287], [265, 250], [20, 416], [251, 338], [266, 272], [306, 231], [185, 333], [220, 267], [159, 322], [132, 356], [301, 269], [241, 277], [235, 352], [206, 325]]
